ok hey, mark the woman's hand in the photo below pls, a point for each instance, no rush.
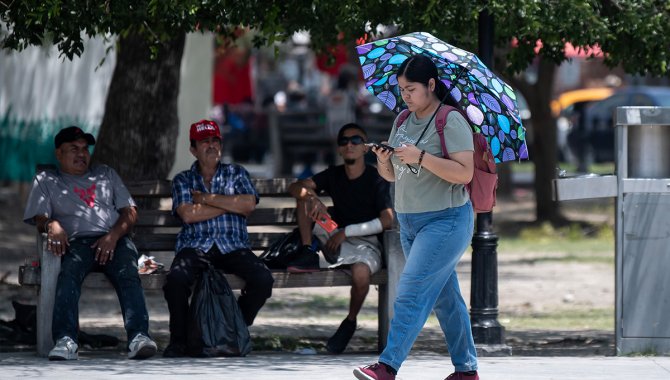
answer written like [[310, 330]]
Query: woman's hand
[[408, 154], [383, 155]]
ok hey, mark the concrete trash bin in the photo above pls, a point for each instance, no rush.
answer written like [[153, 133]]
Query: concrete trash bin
[[642, 237], [643, 230]]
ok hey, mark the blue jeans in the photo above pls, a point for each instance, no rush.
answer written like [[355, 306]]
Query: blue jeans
[[76, 264], [433, 243]]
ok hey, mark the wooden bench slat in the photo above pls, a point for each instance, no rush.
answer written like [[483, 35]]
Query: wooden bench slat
[[166, 241], [282, 279], [163, 188], [260, 217]]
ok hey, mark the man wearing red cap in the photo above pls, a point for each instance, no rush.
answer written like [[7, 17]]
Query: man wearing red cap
[[87, 213], [213, 201]]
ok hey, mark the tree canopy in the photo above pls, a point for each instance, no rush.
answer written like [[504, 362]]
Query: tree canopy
[[633, 33]]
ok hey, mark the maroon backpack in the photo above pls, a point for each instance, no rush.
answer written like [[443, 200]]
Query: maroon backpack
[[484, 182]]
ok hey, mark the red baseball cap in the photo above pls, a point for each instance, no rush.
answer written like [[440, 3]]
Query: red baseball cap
[[204, 129]]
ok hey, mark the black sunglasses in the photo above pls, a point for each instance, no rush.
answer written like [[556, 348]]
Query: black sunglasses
[[355, 140]]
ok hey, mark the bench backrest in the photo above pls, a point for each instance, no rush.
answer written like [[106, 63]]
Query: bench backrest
[[156, 229]]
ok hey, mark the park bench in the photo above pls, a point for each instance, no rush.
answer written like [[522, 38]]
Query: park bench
[[302, 136], [155, 235]]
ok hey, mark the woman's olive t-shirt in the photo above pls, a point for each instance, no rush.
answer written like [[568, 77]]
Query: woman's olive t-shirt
[[426, 191]]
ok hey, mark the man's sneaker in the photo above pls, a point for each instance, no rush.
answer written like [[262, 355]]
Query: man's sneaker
[[376, 371], [338, 342], [463, 376], [306, 260], [175, 350], [65, 349], [141, 347]]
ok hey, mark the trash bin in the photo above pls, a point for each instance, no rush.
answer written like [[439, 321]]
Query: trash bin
[[642, 237], [643, 230]]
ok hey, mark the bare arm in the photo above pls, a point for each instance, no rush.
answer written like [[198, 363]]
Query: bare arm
[[458, 168], [194, 213], [243, 204], [386, 217], [305, 191], [384, 165], [41, 222], [57, 239], [126, 221]]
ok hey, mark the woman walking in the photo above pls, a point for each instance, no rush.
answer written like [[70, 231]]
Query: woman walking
[[436, 222]]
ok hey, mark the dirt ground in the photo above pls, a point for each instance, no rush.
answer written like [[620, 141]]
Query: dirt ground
[[298, 319]]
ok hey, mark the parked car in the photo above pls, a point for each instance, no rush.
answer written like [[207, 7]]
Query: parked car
[[596, 130], [568, 108]]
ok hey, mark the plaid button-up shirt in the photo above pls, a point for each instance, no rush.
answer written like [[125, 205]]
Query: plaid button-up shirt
[[227, 231]]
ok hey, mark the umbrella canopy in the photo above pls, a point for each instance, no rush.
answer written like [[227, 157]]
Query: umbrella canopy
[[489, 103]]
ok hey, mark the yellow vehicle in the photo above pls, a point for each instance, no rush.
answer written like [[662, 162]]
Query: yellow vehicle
[[569, 98], [568, 110]]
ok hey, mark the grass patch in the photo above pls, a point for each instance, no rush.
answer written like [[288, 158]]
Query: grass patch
[[527, 167], [572, 243], [595, 319], [561, 320]]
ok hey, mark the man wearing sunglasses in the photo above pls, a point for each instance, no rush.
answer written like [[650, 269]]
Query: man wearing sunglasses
[[362, 210]]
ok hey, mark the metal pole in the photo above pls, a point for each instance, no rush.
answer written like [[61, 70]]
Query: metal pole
[[484, 278]]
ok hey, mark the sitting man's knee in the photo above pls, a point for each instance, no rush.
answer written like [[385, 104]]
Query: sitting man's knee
[[263, 282]]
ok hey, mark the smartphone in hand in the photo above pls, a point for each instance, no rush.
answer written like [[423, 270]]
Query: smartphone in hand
[[326, 222], [380, 146]]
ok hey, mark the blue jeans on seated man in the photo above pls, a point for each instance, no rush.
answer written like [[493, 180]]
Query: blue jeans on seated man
[[76, 264], [433, 243]]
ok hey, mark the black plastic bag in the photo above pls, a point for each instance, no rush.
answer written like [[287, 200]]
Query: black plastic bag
[[282, 251], [216, 325]]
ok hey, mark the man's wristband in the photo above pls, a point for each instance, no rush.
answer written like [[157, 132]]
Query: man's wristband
[[421, 156]]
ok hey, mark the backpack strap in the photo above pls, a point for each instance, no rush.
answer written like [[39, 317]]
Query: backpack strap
[[404, 114], [440, 123]]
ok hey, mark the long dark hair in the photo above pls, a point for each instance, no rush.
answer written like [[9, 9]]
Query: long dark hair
[[421, 69]]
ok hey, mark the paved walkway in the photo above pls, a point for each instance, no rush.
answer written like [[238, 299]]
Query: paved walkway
[[260, 366]]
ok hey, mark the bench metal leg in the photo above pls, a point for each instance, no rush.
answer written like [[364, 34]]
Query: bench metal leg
[[395, 262], [49, 269]]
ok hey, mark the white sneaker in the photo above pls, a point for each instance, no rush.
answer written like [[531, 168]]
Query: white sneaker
[[65, 349], [142, 347]]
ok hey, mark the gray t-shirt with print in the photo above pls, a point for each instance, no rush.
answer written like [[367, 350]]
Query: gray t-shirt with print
[[86, 205], [426, 191]]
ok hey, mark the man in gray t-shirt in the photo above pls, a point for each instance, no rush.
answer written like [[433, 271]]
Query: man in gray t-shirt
[[87, 214]]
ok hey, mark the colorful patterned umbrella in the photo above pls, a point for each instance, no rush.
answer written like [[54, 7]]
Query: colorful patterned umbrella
[[489, 103]]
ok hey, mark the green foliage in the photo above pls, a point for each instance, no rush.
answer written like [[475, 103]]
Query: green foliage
[[578, 319], [634, 33]]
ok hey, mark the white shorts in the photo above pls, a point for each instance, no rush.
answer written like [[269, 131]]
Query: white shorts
[[357, 249]]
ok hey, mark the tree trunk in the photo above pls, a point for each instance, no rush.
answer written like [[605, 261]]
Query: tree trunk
[[543, 151], [139, 130]]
